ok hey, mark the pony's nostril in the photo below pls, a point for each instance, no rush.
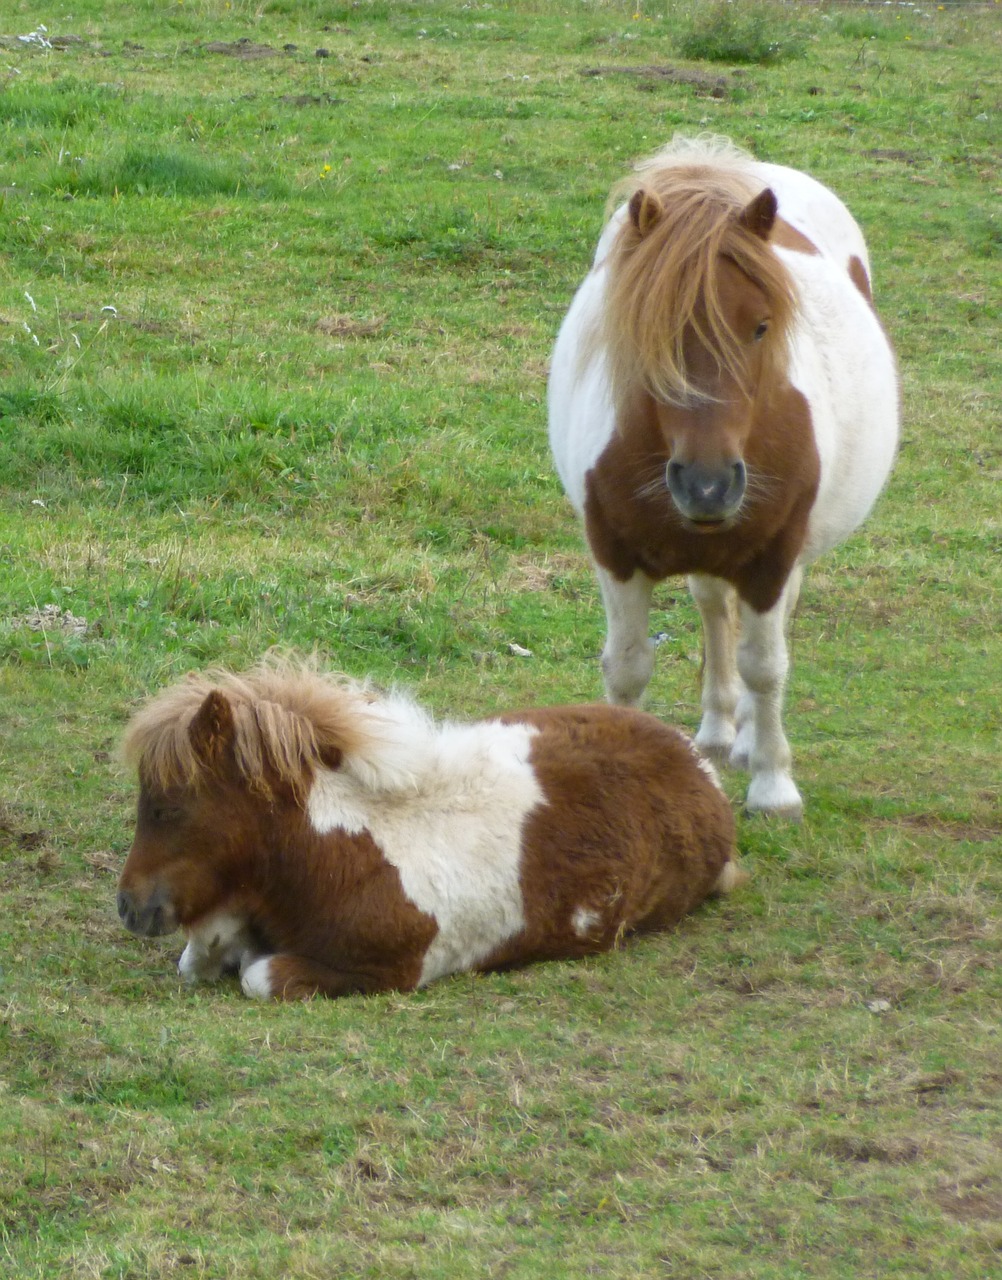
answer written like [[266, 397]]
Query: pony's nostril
[[123, 904]]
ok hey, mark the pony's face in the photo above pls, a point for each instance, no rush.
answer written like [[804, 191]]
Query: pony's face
[[196, 841], [187, 855], [706, 438], [698, 309]]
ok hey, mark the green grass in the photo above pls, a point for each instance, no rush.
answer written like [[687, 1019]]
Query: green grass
[[274, 330]]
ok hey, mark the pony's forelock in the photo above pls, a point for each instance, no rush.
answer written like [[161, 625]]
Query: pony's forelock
[[290, 720], [662, 284]]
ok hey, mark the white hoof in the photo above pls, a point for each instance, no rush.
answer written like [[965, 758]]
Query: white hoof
[[255, 981], [741, 748], [195, 966], [776, 795]]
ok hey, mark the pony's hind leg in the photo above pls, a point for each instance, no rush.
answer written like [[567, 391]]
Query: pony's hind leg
[[763, 663], [722, 688], [290, 977], [628, 656]]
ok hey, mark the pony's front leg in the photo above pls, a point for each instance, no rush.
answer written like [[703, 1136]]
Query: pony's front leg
[[722, 688], [221, 944], [628, 656], [763, 663], [290, 977]]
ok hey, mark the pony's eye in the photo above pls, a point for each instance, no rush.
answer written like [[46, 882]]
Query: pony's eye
[[164, 814], [761, 331]]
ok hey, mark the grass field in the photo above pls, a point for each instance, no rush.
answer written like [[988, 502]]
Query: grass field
[[278, 286]]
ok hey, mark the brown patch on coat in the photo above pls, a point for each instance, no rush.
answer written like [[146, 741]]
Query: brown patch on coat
[[859, 277], [787, 236], [632, 524], [632, 831]]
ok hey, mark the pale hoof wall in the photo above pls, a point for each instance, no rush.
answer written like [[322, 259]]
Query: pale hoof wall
[[775, 796]]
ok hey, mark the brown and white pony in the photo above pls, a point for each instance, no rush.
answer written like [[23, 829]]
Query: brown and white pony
[[319, 839], [723, 403]]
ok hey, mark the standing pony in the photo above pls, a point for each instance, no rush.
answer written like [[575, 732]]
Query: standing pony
[[723, 403], [318, 839]]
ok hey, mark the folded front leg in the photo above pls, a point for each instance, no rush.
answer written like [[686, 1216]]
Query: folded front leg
[[217, 945]]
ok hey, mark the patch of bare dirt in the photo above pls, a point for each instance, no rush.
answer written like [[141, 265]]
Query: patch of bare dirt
[[342, 326], [17, 836], [310, 99], [243, 48], [891, 154], [944, 828], [976, 1204], [702, 81], [851, 1147]]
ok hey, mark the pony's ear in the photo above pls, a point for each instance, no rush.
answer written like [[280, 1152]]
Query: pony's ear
[[759, 215], [213, 729], [645, 209]]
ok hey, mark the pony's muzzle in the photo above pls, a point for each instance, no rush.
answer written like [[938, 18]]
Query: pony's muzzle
[[148, 919], [707, 495]]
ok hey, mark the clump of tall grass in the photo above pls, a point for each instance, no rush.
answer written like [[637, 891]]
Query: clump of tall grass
[[744, 33]]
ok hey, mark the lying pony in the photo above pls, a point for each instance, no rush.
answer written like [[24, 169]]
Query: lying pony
[[319, 839]]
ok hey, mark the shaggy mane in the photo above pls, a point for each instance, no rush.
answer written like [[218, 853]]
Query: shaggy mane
[[663, 285], [289, 718]]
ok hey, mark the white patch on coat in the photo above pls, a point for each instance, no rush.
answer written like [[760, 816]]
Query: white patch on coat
[[584, 921], [448, 814], [218, 943], [706, 765], [255, 981], [731, 877]]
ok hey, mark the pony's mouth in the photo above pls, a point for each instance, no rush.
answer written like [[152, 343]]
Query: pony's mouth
[[709, 526]]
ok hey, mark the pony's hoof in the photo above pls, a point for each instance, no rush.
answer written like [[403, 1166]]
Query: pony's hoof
[[741, 750], [195, 966], [775, 796], [255, 981]]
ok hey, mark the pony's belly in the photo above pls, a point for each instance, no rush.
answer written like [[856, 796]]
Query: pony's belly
[[855, 412]]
